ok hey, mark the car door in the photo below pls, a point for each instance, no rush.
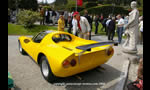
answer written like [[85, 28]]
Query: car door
[[34, 44]]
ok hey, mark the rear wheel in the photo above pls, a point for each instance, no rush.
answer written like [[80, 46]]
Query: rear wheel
[[46, 70], [21, 50]]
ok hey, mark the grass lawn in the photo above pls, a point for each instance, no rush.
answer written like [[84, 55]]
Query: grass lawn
[[14, 29]]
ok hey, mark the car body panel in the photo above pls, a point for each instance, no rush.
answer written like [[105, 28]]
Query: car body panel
[[56, 53]]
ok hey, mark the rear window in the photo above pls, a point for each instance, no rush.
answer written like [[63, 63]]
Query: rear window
[[61, 38]]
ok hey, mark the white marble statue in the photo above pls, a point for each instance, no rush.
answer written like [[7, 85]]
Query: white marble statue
[[131, 30]]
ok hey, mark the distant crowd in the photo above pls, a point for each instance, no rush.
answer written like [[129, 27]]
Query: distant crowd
[[82, 25]]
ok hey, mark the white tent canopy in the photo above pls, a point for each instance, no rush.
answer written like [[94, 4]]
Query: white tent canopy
[[48, 1]]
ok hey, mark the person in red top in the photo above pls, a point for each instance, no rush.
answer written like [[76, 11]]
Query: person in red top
[[83, 26]]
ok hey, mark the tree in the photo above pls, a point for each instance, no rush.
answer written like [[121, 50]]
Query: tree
[[28, 4], [12, 4], [61, 2]]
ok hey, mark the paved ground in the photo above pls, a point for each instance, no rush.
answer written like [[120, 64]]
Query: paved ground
[[27, 75]]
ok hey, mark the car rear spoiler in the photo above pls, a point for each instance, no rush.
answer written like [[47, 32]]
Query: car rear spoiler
[[89, 46]]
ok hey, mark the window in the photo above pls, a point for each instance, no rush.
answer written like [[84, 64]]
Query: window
[[38, 38], [61, 37]]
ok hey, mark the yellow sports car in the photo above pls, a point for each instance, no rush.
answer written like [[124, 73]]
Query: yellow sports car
[[61, 54]]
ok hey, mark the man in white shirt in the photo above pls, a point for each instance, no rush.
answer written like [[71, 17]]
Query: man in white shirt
[[83, 26], [120, 26]]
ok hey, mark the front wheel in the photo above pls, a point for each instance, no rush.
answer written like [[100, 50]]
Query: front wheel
[[46, 70], [21, 50]]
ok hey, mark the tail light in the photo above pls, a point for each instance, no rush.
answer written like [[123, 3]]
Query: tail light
[[110, 51], [73, 62], [66, 64]]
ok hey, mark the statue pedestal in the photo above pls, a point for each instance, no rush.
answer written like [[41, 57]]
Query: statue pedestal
[[132, 56]]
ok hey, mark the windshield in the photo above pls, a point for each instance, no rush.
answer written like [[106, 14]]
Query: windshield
[[38, 38]]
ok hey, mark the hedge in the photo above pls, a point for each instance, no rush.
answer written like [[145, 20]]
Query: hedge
[[73, 8], [106, 10], [89, 4]]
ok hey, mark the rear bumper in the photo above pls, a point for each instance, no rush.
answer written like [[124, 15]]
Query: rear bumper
[[86, 62]]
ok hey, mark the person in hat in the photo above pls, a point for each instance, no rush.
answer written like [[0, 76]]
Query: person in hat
[[61, 23], [83, 26]]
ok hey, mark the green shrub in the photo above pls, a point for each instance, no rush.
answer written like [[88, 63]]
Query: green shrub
[[47, 7], [106, 10], [28, 18]]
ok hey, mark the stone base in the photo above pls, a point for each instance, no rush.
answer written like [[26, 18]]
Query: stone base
[[133, 58], [129, 51]]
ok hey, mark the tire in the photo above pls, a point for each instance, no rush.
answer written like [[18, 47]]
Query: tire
[[21, 50], [46, 70]]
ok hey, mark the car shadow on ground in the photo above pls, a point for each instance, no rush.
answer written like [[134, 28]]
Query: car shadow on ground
[[91, 80]]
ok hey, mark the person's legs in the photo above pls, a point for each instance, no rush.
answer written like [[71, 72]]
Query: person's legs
[[118, 33], [112, 34], [109, 34], [81, 35], [86, 36], [121, 32], [90, 35], [76, 34], [46, 19], [53, 18], [96, 28], [66, 22], [43, 20], [69, 29], [106, 30]]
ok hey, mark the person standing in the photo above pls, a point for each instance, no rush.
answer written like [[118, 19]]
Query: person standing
[[125, 22], [104, 24], [89, 20], [53, 16], [66, 18], [70, 23], [96, 23], [120, 27], [47, 14], [83, 26], [74, 25], [111, 29], [61, 23], [42, 15], [107, 23]]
